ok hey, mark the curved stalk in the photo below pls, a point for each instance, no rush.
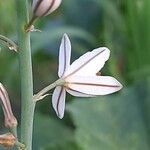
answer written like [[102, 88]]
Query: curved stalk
[[9, 43], [41, 94]]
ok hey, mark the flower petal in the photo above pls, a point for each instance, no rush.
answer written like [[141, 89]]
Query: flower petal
[[58, 101], [5, 101], [44, 7], [64, 55], [89, 63], [78, 93], [94, 85], [10, 120]]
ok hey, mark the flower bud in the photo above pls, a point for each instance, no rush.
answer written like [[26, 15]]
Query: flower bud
[[10, 120], [44, 7], [7, 140]]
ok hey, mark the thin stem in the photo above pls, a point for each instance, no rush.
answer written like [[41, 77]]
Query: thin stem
[[14, 131], [41, 93], [9, 43], [28, 26], [25, 62]]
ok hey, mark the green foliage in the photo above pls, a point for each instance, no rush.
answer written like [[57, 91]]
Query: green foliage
[[110, 123], [127, 29], [7, 17], [138, 25], [51, 134]]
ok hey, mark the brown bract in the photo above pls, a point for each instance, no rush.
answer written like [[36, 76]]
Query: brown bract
[[7, 140]]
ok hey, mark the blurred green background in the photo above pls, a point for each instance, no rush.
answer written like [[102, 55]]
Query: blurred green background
[[119, 121]]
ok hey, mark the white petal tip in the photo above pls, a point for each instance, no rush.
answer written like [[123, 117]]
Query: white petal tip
[[58, 101], [66, 36], [120, 86], [60, 117], [107, 51], [116, 83]]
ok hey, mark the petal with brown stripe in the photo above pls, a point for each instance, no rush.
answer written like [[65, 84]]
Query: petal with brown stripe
[[55, 6], [93, 85], [5, 101], [58, 101], [89, 63], [64, 55], [44, 7]]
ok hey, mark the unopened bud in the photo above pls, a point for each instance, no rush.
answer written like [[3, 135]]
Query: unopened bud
[[7, 140], [10, 120], [44, 7]]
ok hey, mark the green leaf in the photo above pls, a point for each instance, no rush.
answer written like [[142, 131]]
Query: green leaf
[[110, 122]]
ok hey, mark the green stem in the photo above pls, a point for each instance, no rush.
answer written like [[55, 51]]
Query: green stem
[[9, 43], [25, 62], [28, 26], [41, 94]]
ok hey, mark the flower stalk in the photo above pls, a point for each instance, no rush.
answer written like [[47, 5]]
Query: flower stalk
[[41, 94], [9, 43], [25, 65]]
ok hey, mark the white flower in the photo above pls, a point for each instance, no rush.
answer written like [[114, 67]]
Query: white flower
[[44, 7], [80, 77]]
